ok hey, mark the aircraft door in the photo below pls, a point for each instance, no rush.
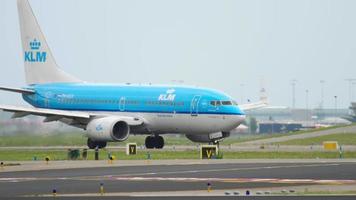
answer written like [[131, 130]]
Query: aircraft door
[[46, 102], [122, 104], [194, 105]]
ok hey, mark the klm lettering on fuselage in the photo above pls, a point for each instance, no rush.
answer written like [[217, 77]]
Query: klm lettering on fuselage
[[35, 55], [169, 96]]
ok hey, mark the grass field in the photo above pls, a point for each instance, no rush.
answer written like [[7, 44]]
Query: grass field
[[20, 155], [43, 140], [75, 139], [342, 139], [326, 193], [276, 135], [78, 139]]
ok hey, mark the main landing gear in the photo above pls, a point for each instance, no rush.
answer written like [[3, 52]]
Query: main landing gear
[[93, 144], [215, 142], [154, 142]]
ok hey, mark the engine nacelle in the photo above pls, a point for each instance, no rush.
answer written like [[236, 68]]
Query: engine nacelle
[[108, 129], [206, 138]]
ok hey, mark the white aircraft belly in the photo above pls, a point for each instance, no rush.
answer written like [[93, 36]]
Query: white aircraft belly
[[185, 123]]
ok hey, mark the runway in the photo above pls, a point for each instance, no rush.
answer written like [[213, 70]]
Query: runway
[[174, 181]]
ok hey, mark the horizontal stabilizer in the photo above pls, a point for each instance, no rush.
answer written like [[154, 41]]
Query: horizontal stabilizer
[[263, 102], [252, 106]]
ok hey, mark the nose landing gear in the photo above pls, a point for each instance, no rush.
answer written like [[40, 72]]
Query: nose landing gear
[[152, 142]]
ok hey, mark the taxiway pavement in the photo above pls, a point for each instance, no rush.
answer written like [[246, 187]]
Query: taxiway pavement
[[180, 179]]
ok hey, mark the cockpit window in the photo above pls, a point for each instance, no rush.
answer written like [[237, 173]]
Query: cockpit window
[[213, 103], [226, 103]]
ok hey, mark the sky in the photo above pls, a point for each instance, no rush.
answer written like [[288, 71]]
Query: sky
[[236, 46]]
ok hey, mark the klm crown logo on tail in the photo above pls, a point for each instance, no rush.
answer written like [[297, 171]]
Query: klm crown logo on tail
[[35, 55]]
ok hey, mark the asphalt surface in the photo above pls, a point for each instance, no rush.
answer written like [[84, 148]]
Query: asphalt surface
[[204, 198], [140, 180]]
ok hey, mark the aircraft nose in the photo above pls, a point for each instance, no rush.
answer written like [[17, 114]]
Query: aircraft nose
[[235, 121], [238, 119]]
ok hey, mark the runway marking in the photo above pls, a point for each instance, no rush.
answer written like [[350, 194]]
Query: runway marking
[[138, 176], [188, 179], [227, 169], [237, 180], [17, 179]]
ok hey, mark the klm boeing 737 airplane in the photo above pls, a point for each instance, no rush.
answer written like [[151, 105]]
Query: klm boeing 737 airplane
[[110, 113]]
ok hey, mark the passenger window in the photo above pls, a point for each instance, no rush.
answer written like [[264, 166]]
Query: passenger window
[[218, 103], [213, 103], [226, 103]]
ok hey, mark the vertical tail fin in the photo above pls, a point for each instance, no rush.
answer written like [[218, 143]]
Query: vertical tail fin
[[263, 95], [40, 66]]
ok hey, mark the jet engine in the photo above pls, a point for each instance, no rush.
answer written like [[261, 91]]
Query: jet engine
[[207, 138], [108, 129]]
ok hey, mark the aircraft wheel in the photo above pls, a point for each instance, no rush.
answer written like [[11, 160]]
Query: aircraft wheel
[[93, 144], [101, 145], [159, 142], [150, 142]]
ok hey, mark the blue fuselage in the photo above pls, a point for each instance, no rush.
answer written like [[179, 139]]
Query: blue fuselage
[[132, 98]]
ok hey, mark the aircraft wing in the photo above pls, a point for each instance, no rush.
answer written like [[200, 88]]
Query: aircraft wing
[[75, 118], [18, 90], [20, 111]]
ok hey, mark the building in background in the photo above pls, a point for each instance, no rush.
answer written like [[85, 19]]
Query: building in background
[[284, 119], [352, 115], [278, 127]]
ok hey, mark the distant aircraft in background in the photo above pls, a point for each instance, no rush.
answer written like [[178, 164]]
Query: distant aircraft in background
[[112, 112]]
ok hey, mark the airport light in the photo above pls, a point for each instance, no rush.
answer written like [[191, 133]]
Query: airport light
[[306, 99], [353, 91], [293, 83], [350, 81], [335, 97], [322, 82], [101, 189], [54, 192], [209, 186], [47, 159], [306, 104], [321, 105]]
